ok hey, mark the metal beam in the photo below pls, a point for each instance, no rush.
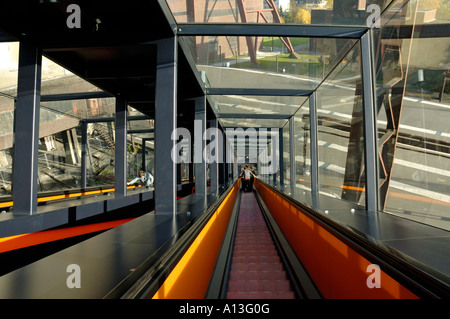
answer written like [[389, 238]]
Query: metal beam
[[268, 30], [214, 165], [292, 153], [26, 130], [74, 96], [280, 156], [83, 154], [257, 92], [314, 151], [199, 145], [370, 128], [120, 160], [165, 124], [112, 119], [254, 116]]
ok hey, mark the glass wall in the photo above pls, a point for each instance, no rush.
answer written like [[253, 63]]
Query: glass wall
[[140, 145], [413, 110], [340, 132], [9, 56], [302, 133], [265, 62], [330, 12], [286, 164]]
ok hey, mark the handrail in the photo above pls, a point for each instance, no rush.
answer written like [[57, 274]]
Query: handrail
[[302, 283], [150, 275], [418, 278], [219, 277]]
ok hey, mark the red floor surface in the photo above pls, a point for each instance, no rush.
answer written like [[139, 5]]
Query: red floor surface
[[256, 270]]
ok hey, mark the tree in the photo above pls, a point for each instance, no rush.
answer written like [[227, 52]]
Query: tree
[[303, 16]]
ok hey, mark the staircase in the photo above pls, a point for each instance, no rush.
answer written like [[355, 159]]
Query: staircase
[[256, 269]]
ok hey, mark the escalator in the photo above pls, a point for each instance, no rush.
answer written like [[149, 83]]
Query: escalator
[[235, 250], [256, 269]]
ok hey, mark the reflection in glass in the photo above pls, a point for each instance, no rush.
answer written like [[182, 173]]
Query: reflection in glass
[[58, 80], [302, 150], [245, 123], [285, 168], [140, 147], [230, 61], [412, 119], [340, 132], [6, 144], [241, 104], [9, 56], [59, 153], [334, 12]]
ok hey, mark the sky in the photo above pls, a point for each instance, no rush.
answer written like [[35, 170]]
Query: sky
[[284, 4]]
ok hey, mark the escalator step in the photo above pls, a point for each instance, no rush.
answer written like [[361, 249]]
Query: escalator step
[[256, 269], [263, 286], [261, 295], [248, 266], [258, 275]]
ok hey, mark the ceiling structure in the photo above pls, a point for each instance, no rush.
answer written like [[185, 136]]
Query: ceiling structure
[[114, 50]]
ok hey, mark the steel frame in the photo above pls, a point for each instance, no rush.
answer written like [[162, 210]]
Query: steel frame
[[165, 124], [120, 161], [26, 130], [199, 147]]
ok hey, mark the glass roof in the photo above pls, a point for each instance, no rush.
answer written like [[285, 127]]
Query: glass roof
[[277, 63], [257, 123], [260, 105], [319, 12], [267, 63]]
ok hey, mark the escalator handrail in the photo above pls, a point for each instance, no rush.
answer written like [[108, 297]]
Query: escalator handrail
[[303, 285], [150, 275], [421, 279]]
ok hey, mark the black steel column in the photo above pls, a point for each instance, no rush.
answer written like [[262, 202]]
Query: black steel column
[[120, 159], [165, 124], [83, 153], [280, 147], [26, 130], [199, 145], [313, 123], [214, 165]]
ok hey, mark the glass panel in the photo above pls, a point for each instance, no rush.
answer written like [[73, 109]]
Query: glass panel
[[59, 152], [337, 12], [241, 104], [6, 144], [9, 56], [82, 109], [414, 82], [286, 168], [58, 80], [140, 154], [265, 63], [302, 153], [265, 123], [340, 132], [100, 167]]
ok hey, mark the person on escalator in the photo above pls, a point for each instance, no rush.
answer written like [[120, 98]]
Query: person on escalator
[[247, 179], [144, 178]]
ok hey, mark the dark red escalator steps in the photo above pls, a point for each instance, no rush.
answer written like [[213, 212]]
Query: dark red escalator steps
[[256, 269], [261, 295]]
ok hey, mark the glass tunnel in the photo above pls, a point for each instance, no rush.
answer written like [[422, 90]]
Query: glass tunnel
[[339, 106]]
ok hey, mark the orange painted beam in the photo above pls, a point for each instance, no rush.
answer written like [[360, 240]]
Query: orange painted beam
[[337, 270], [190, 277], [32, 239]]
